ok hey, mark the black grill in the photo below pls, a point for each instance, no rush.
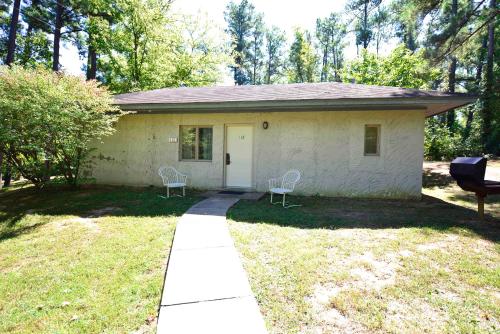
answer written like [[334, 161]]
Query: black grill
[[468, 170], [469, 174]]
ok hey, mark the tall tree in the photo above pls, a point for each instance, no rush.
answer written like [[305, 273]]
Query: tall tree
[[255, 53], [406, 17], [303, 59], [68, 26], [452, 68], [275, 55], [475, 87], [381, 25], [330, 33], [148, 48], [97, 19], [11, 50], [11, 47], [59, 10], [491, 96], [5, 15], [363, 11], [35, 43], [240, 19]]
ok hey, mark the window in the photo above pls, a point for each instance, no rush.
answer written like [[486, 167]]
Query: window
[[196, 143], [372, 139]]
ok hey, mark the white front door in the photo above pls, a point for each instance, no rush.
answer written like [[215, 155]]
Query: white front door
[[239, 157]]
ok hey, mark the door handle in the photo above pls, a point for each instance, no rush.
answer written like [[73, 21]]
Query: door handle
[[228, 159]]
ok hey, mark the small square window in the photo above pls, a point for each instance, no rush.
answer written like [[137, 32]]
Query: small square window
[[196, 143], [372, 139]]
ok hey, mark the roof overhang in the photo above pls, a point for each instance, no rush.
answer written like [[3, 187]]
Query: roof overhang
[[431, 105]]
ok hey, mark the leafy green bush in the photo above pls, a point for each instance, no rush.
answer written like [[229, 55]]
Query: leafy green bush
[[443, 144], [49, 120]]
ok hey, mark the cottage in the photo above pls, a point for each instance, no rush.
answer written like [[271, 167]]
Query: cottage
[[346, 139]]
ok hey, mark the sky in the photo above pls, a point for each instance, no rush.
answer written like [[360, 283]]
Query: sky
[[286, 14]]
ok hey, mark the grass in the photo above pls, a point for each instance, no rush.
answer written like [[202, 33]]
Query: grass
[[84, 261], [93, 260], [374, 266]]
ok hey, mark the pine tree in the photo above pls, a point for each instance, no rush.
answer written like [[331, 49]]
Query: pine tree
[[240, 20], [303, 59], [363, 24], [255, 53], [330, 33], [275, 55]]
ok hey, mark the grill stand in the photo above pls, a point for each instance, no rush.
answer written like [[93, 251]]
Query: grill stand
[[480, 206]]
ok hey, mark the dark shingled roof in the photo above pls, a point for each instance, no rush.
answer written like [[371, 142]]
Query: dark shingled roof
[[274, 94]]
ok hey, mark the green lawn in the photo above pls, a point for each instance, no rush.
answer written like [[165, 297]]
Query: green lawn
[[339, 265], [93, 261], [86, 261]]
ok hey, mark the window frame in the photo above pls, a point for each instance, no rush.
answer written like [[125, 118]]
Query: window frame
[[379, 132], [197, 142]]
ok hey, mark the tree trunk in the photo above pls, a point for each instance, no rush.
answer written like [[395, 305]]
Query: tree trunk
[[1, 162], [488, 92], [452, 69], [11, 52], [11, 46], [269, 60], [92, 59], [450, 115], [324, 70], [479, 72], [92, 67], [254, 76], [57, 35], [29, 35], [365, 26]]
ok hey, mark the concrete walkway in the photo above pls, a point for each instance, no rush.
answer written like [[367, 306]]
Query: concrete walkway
[[206, 288]]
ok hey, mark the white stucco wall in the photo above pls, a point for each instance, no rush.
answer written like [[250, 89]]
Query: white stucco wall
[[327, 147]]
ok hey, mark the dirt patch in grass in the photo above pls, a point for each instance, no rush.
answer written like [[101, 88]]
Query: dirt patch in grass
[[89, 223], [327, 318], [415, 314], [331, 302], [367, 273], [107, 211]]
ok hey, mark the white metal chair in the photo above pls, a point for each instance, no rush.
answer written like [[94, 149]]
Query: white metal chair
[[173, 179], [284, 185]]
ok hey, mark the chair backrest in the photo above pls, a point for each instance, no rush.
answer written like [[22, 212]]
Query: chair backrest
[[168, 175], [290, 179]]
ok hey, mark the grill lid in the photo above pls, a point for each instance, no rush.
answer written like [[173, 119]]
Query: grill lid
[[465, 169]]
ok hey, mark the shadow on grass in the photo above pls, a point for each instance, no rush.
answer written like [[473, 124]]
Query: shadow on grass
[[334, 213], [436, 179], [86, 201]]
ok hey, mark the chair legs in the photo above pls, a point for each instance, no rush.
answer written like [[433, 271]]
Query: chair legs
[[283, 202], [183, 192]]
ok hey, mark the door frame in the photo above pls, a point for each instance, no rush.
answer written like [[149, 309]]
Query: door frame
[[224, 176]]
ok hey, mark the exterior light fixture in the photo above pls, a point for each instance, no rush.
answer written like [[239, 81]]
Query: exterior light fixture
[[265, 125]]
